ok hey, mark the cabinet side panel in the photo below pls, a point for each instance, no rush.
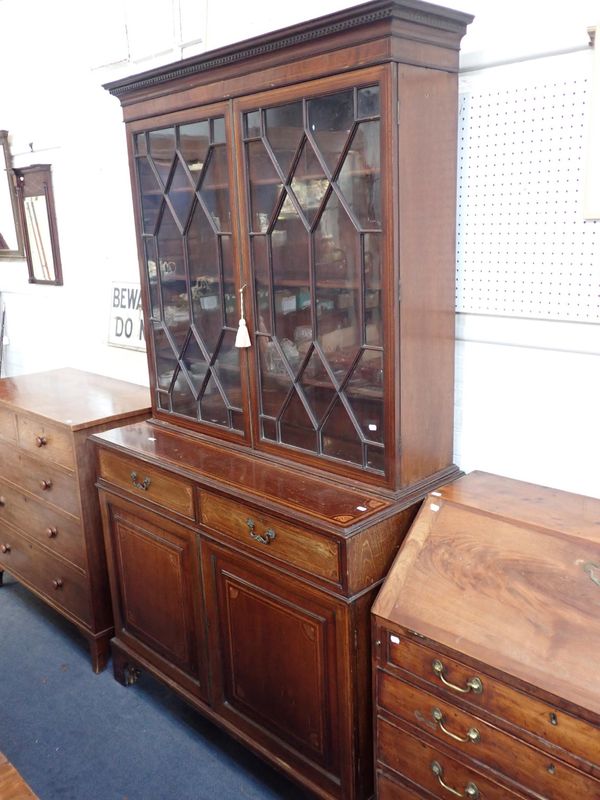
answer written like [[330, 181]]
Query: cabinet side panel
[[427, 205]]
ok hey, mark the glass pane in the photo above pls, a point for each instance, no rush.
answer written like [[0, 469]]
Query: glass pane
[[284, 130], [340, 438], [364, 391], [163, 400], [359, 179], [372, 272], [218, 130], [238, 421], [166, 361], [265, 186], [227, 369], [309, 183], [338, 286], [375, 458], [215, 189], [275, 381], [317, 386], [172, 278], [212, 405], [296, 426], [231, 295], [193, 146], [182, 397], [252, 124], [195, 364], [181, 194], [162, 150], [269, 429], [152, 270], [262, 284], [151, 195], [330, 120], [368, 101], [140, 144]]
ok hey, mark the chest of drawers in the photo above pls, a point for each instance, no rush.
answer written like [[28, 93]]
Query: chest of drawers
[[50, 528], [486, 645]]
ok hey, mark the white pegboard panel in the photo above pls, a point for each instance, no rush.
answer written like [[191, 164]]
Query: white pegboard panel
[[523, 246]]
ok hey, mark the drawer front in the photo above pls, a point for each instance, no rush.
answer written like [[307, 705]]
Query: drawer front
[[62, 584], [58, 532], [46, 441], [40, 478], [271, 537], [475, 738], [576, 736], [8, 424], [151, 484], [433, 769], [390, 789]]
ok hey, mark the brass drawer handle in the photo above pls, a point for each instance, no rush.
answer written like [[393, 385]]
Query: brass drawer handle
[[5, 548], [51, 532], [473, 734], [473, 684], [2, 502], [266, 539], [40, 441], [471, 789], [46, 485], [144, 485], [57, 583]]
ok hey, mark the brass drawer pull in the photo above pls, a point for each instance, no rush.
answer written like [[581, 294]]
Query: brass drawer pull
[[2, 502], [473, 684], [46, 485], [266, 539], [40, 441], [5, 548], [471, 789], [473, 734], [52, 532], [144, 485], [57, 583]]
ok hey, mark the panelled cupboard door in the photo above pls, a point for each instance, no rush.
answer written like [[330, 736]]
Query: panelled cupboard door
[[304, 240], [186, 218], [156, 589], [275, 646]]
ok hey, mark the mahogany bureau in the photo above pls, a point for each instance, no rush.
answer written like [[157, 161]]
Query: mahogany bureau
[[487, 645], [50, 527]]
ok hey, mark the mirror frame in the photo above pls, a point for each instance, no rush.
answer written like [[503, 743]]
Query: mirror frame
[[34, 181], [19, 252]]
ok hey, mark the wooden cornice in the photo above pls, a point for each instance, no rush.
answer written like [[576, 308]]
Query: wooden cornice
[[408, 11]]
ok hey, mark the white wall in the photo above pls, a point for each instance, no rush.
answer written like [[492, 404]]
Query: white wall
[[527, 389]]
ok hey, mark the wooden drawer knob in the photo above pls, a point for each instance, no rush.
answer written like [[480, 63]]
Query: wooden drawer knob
[[40, 441], [5, 548], [46, 485], [57, 583], [51, 533]]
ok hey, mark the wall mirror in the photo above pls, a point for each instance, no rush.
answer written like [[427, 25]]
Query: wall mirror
[[11, 239], [36, 202]]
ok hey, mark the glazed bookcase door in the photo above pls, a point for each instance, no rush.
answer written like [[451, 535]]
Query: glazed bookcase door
[[183, 177], [315, 176]]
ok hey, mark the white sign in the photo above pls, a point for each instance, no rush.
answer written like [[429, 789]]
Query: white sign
[[126, 318]]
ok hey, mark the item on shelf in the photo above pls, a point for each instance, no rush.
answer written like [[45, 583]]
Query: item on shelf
[[285, 302]]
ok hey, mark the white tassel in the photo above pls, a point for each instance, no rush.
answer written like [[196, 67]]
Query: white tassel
[[242, 337]]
